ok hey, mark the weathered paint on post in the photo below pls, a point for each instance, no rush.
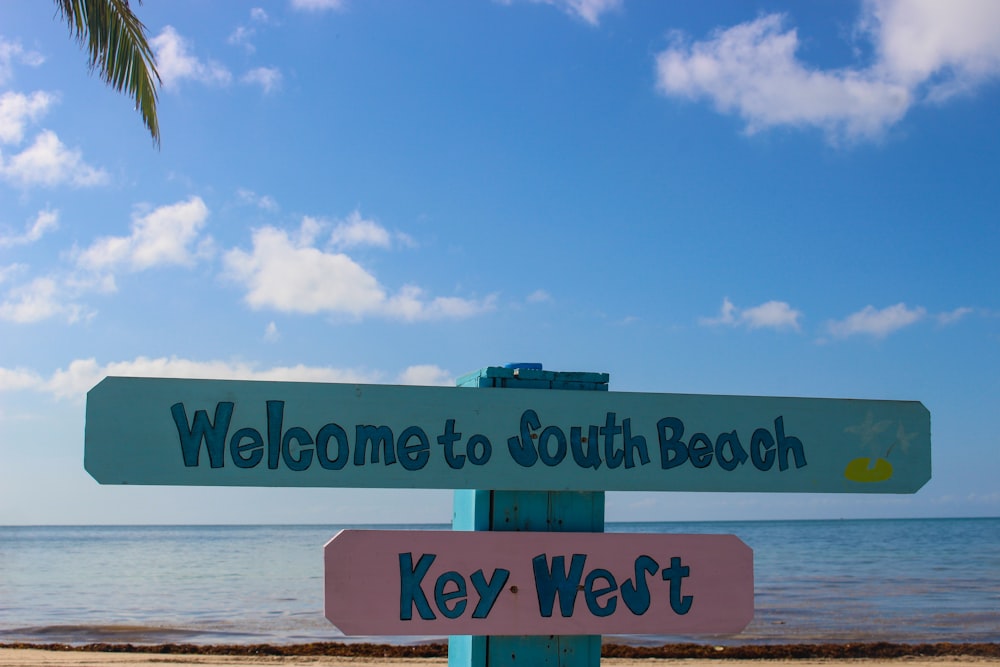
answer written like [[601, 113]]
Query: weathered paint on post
[[448, 582], [240, 433]]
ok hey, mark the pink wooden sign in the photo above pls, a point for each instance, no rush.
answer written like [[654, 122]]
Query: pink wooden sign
[[389, 582]]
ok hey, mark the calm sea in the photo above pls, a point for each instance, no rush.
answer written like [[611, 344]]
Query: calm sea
[[874, 580]]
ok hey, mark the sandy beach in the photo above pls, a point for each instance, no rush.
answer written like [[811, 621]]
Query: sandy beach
[[49, 658], [792, 655]]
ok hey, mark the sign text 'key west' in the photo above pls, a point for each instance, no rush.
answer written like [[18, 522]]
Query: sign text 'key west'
[[521, 583]]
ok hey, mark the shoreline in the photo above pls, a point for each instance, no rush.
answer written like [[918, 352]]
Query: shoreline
[[439, 651]]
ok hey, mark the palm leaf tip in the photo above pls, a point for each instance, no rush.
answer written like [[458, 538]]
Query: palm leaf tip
[[118, 50]]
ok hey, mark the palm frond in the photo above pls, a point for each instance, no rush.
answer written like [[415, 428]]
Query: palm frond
[[118, 50]]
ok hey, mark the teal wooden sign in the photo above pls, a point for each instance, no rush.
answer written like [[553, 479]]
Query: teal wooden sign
[[244, 433]]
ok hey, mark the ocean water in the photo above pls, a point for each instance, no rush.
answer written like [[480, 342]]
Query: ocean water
[[915, 580]]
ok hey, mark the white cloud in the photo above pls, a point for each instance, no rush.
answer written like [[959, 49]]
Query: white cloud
[[268, 78], [355, 231], [44, 222], [769, 315], [19, 379], [11, 270], [951, 47], [17, 109], [588, 10], [81, 375], [292, 275], [772, 315], [877, 323], [241, 36], [168, 235], [539, 296], [48, 162], [175, 63], [271, 334], [925, 50], [38, 300], [426, 375], [12, 53], [317, 5], [264, 202], [954, 316]]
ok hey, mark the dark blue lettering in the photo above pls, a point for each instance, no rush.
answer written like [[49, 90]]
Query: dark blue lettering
[[379, 436], [301, 436], [448, 440], [413, 457], [488, 591], [411, 594], [786, 444], [737, 454], [543, 449], [681, 604], [441, 598], [322, 450], [609, 431], [522, 449], [238, 449], [636, 594], [555, 579], [700, 448], [632, 443], [673, 452], [473, 446], [761, 449], [592, 595], [214, 434], [592, 459], [275, 417]]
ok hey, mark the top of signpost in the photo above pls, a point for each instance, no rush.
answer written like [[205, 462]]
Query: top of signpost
[[531, 376]]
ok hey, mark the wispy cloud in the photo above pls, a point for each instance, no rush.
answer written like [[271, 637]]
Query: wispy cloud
[[953, 316], [243, 34], [769, 315], [589, 11], [40, 299], [76, 379], [176, 63], [925, 51], [18, 109], [268, 78], [264, 202], [46, 221], [356, 231], [11, 54], [877, 323], [318, 5], [539, 296]]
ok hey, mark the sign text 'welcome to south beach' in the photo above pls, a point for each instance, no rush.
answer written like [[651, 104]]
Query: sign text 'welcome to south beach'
[[239, 433]]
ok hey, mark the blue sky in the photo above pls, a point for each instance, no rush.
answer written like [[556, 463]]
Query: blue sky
[[758, 198]]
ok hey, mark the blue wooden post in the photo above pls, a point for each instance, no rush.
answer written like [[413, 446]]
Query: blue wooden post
[[567, 511]]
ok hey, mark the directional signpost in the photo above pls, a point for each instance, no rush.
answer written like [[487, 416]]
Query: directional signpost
[[519, 460]]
